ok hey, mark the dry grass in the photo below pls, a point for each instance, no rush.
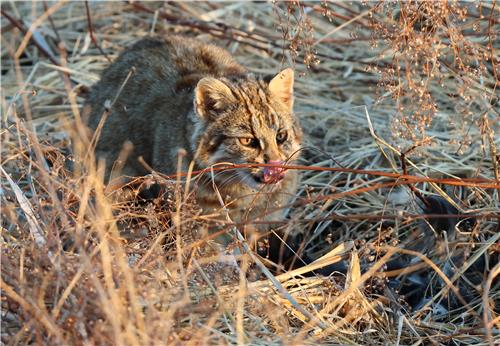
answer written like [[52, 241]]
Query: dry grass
[[82, 264]]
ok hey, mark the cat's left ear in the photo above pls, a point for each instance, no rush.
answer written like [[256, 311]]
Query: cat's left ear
[[281, 86], [212, 96]]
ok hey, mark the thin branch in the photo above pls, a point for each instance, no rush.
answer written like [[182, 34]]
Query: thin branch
[[56, 32], [20, 25], [471, 182], [91, 32], [224, 31]]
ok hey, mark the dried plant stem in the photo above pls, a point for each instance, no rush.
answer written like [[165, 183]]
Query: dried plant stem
[[471, 182], [25, 205], [39, 315], [29, 33], [91, 32], [20, 25]]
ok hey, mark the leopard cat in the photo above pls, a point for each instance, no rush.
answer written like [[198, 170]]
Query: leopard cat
[[166, 94]]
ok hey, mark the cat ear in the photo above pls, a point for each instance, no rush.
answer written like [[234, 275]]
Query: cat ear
[[212, 96], [281, 86]]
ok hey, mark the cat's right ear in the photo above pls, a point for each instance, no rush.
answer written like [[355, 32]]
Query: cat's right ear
[[212, 97]]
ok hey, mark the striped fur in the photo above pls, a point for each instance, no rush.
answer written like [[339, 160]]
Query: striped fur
[[183, 93]]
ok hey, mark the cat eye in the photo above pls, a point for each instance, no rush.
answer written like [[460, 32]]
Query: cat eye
[[249, 142], [281, 137]]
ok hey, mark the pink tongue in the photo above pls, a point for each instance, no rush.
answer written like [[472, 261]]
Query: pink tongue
[[273, 174]]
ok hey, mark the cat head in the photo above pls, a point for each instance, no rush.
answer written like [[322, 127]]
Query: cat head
[[247, 119]]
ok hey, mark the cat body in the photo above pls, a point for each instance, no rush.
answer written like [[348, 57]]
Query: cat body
[[166, 94]]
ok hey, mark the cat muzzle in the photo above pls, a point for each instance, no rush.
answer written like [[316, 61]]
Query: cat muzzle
[[272, 175]]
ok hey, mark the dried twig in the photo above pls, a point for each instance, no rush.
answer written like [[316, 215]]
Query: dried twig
[[400, 178], [35, 229], [56, 32], [91, 31], [20, 25]]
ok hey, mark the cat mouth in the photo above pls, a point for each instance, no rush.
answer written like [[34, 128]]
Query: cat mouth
[[262, 179]]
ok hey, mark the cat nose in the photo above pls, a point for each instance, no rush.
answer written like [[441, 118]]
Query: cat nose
[[276, 163], [273, 174]]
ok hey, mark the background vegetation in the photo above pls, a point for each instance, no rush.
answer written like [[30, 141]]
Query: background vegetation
[[399, 102]]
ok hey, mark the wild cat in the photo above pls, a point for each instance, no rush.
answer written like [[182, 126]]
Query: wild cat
[[164, 94]]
